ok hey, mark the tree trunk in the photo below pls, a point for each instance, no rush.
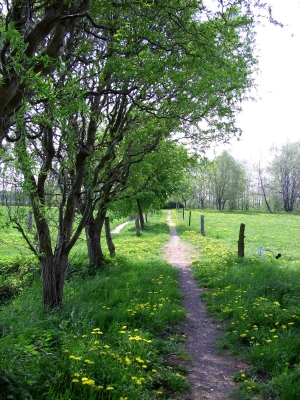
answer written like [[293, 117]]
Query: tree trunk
[[137, 225], [263, 189], [142, 222], [110, 244], [54, 270], [93, 239]]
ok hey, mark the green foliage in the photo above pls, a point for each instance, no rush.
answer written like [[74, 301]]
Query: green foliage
[[172, 204], [285, 172], [154, 179], [16, 274]]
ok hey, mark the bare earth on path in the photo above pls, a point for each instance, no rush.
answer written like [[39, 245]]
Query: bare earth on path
[[210, 374]]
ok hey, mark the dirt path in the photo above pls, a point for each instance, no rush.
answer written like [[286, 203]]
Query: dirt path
[[210, 373]]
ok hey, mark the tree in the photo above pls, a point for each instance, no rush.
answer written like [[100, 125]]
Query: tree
[[285, 169], [111, 64], [227, 180], [199, 183], [263, 185], [155, 179], [32, 41]]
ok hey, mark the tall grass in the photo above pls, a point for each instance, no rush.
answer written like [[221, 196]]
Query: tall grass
[[111, 339], [255, 299]]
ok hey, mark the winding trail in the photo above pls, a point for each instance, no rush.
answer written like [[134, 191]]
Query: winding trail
[[120, 227], [211, 374]]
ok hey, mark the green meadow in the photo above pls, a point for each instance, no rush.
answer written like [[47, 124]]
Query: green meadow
[[255, 298], [117, 335]]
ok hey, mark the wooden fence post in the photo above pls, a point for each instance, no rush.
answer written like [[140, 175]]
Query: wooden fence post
[[241, 244], [110, 245], [183, 213], [190, 217], [202, 225], [29, 225]]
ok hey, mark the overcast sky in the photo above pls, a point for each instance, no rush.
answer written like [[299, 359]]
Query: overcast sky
[[275, 117]]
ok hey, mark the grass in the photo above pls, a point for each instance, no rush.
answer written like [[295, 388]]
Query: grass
[[255, 300], [18, 266], [112, 337], [117, 337], [11, 241]]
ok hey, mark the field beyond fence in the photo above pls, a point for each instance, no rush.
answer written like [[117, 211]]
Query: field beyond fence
[[255, 298]]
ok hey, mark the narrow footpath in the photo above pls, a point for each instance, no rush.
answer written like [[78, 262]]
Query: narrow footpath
[[211, 374]]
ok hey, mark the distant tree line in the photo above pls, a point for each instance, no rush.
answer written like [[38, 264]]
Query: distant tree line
[[227, 184]]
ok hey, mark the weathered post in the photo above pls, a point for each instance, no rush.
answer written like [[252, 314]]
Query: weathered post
[[29, 225], [137, 225], [241, 244], [190, 217], [202, 225], [110, 245], [182, 212]]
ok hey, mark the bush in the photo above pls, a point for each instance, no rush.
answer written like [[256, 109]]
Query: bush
[[172, 204]]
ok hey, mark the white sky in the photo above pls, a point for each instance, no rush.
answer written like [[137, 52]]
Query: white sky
[[275, 117]]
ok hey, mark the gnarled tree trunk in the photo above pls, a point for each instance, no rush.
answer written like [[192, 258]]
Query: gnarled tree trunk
[[93, 231], [54, 270]]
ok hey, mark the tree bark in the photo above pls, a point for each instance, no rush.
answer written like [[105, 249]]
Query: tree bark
[[54, 267], [142, 221], [93, 240], [53, 274], [110, 245], [137, 225]]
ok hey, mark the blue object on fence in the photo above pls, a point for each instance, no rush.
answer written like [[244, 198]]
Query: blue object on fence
[[260, 252]]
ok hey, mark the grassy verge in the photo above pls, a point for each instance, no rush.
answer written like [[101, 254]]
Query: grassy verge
[[12, 243], [18, 266], [113, 337], [256, 300]]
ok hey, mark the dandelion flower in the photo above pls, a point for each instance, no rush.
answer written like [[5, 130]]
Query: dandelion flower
[[89, 382], [89, 362]]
